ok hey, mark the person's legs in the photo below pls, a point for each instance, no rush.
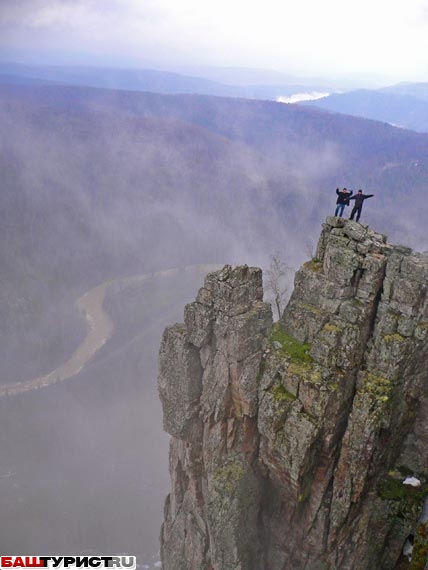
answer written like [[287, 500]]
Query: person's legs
[[339, 210], [359, 212], [354, 209]]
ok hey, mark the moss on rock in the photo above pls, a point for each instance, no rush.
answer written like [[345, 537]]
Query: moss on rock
[[280, 394], [314, 265], [229, 476], [395, 337], [393, 489], [410, 499], [308, 307], [297, 352], [305, 372], [330, 327], [378, 386], [420, 548]]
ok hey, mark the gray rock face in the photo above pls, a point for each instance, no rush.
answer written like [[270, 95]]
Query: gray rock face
[[291, 443], [208, 384]]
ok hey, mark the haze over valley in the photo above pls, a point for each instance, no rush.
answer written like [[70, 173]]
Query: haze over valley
[[129, 177]]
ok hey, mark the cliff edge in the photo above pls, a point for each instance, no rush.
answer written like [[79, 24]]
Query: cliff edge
[[301, 444]]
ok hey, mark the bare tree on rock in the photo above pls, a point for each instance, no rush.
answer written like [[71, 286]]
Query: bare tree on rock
[[276, 282]]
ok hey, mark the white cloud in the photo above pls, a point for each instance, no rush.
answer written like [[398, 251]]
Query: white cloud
[[296, 97], [356, 36]]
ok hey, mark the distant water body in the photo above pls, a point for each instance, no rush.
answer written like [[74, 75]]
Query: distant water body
[[99, 328]]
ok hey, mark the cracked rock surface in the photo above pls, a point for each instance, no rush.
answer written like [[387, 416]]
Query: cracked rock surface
[[291, 441]]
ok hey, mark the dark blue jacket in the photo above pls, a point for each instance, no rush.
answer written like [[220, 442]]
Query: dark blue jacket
[[359, 198], [343, 197]]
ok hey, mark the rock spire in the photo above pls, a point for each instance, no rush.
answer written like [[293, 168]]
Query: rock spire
[[291, 442]]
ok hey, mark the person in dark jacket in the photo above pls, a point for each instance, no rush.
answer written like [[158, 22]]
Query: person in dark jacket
[[342, 200], [359, 199]]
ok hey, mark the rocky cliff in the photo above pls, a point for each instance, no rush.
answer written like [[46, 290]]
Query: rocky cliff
[[301, 444]]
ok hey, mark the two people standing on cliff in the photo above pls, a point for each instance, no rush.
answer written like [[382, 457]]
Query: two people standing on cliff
[[343, 198]]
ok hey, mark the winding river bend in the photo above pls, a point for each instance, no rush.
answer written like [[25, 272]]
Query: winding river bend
[[99, 328]]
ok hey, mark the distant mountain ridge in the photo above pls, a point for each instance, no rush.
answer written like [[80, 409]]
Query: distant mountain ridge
[[403, 105], [252, 84], [112, 78], [418, 90]]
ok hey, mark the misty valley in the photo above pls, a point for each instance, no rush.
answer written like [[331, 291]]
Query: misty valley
[[100, 187], [84, 461]]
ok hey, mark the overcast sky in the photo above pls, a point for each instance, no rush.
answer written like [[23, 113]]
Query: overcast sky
[[382, 37]]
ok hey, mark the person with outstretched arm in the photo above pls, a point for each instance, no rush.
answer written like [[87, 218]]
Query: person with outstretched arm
[[342, 200], [358, 206]]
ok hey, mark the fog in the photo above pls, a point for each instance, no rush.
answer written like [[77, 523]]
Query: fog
[[89, 198], [98, 190], [294, 37]]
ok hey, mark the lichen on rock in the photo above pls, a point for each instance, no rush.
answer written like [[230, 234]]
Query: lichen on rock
[[286, 438]]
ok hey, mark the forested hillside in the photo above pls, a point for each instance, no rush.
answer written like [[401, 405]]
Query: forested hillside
[[407, 109], [98, 184]]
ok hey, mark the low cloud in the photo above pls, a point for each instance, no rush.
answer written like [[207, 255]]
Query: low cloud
[[297, 97]]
